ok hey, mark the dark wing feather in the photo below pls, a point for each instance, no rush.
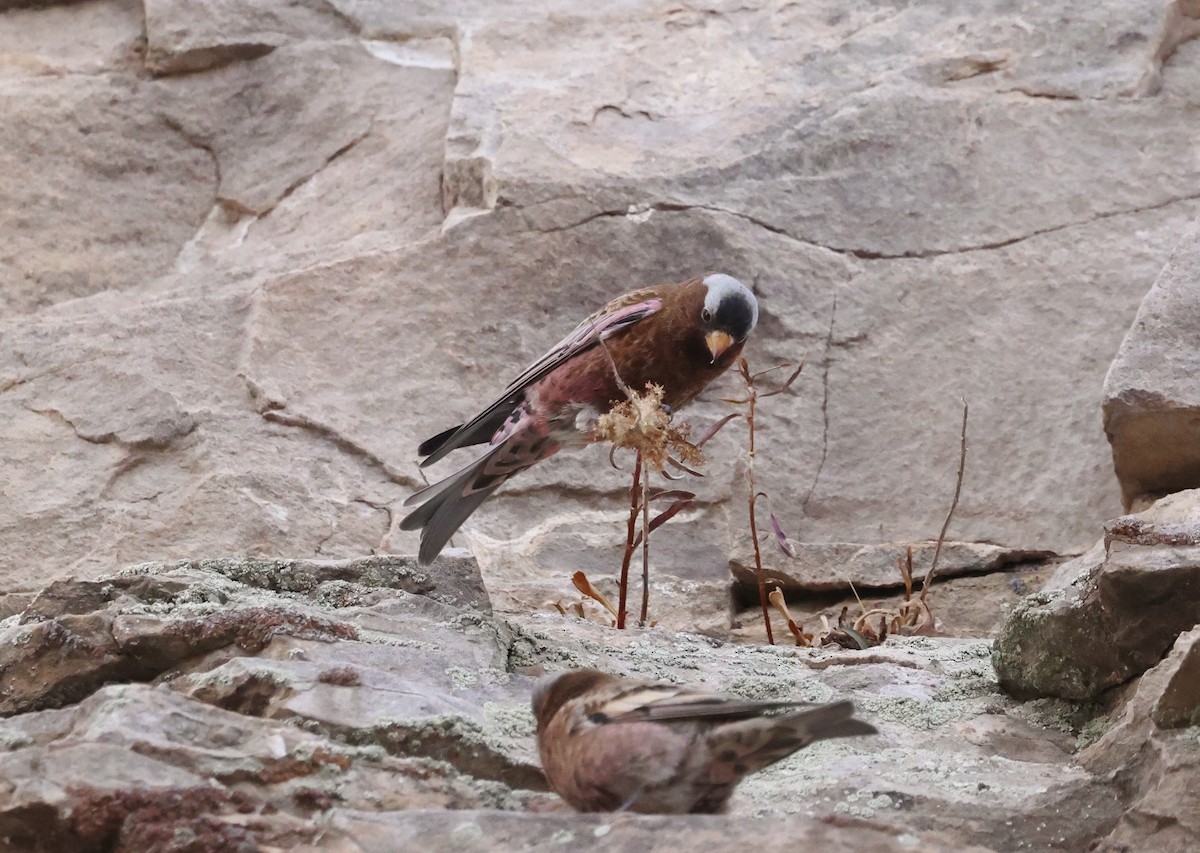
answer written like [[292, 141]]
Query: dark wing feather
[[612, 318], [429, 445], [727, 710]]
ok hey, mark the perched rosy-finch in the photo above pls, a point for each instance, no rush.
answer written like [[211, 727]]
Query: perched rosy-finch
[[610, 743], [679, 336]]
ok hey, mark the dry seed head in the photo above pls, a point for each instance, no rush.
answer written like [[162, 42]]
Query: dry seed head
[[640, 423]]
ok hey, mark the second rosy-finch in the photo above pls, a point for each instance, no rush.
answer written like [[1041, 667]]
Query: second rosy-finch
[[610, 743]]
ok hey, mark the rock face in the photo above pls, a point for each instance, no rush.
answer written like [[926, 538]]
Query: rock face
[[254, 252], [1154, 758], [258, 251], [337, 705], [429, 830], [76, 635], [249, 719], [1112, 613], [828, 568], [1151, 398]]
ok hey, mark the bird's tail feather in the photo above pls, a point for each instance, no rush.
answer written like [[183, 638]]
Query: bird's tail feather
[[824, 722], [761, 741], [801, 728], [446, 505]]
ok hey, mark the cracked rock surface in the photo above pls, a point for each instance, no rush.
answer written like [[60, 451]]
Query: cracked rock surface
[[337, 703], [1151, 399], [253, 253], [256, 252]]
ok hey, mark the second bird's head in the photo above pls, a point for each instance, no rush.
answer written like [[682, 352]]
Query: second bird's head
[[729, 313]]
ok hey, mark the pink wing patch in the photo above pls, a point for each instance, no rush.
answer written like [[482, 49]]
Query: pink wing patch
[[587, 334], [604, 323]]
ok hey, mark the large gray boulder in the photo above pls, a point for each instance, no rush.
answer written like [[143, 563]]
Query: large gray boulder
[[1151, 395], [1111, 614]]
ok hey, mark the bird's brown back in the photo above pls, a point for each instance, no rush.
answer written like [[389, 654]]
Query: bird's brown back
[[667, 348]]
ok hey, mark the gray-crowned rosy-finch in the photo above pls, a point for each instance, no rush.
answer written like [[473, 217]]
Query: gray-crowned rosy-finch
[[680, 336], [610, 743]]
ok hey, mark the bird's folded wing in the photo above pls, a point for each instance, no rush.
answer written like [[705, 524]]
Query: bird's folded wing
[[617, 315], [665, 703]]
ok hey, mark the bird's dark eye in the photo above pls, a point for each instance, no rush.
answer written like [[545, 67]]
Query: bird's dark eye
[[706, 315]]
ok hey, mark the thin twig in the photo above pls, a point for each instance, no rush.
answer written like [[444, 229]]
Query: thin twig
[[623, 591], [631, 529], [616, 373], [861, 606], [760, 575], [962, 465], [645, 545]]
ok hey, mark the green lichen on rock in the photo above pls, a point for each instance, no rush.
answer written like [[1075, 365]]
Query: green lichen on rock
[[1054, 644]]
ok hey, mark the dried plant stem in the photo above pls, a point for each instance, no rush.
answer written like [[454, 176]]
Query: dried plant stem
[[645, 544], [635, 495], [962, 466], [751, 403], [913, 617], [780, 603], [861, 606], [585, 586], [616, 373]]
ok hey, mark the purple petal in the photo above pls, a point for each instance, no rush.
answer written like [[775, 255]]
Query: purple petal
[[781, 538]]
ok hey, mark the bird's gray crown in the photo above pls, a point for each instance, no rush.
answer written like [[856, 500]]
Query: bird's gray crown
[[731, 304]]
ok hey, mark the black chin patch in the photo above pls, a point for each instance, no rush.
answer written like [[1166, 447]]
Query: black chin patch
[[734, 315]]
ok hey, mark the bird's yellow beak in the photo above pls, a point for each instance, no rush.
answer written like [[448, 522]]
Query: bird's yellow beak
[[718, 342]]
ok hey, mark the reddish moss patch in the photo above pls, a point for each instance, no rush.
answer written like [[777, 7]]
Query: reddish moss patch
[[1135, 531], [275, 771], [342, 676], [251, 698], [182, 820], [314, 799], [253, 628]]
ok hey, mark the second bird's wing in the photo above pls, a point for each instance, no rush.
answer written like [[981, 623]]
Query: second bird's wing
[[666, 703]]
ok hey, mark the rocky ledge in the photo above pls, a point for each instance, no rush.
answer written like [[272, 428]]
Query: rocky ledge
[[358, 704]]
